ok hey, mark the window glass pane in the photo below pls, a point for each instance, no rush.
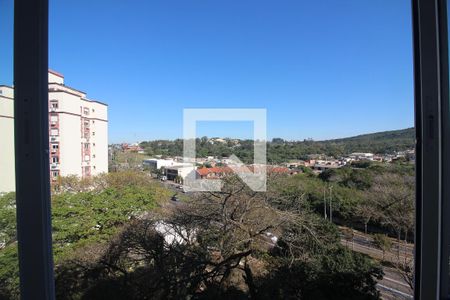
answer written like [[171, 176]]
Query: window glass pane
[[9, 267], [330, 90]]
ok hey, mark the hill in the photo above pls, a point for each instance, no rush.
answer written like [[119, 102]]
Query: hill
[[392, 135], [379, 142], [279, 150]]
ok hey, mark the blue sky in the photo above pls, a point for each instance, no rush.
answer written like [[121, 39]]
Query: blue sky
[[322, 69]]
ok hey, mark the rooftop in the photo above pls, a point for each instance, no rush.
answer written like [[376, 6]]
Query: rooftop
[[55, 73]]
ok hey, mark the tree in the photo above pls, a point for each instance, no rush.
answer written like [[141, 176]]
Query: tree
[[7, 219], [382, 242], [230, 244], [406, 269], [392, 198], [367, 212], [349, 235], [178, 179]]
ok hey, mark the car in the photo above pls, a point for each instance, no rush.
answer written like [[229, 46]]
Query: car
[[175, 198]]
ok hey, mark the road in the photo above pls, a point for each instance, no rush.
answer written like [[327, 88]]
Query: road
[[393, 285]]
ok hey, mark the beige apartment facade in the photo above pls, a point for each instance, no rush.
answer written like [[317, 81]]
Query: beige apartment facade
[[7, 169], [78, 133]]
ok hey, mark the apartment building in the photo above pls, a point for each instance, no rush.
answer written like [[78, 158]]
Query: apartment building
[[7, 168], [78, 133]]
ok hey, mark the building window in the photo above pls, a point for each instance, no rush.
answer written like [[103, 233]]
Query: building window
[[86, 111], [54, 132], [55, 159], [54, 104], [93, 110], [53, 120], [86, 146], [93, 156], [93, 132], [55, 173], [87, 171]]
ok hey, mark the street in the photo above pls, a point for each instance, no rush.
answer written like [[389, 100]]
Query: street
[[393, 285]]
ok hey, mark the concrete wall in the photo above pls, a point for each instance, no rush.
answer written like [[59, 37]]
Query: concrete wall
[[69, 145], [6, 91], [53, 77], [7, 167], [99, 148], [74, 110]]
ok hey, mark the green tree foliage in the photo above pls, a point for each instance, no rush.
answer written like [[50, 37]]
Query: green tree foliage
[[222, 251], [337, 274], [349, 177], [313, 190], [7, 219], [382, 242], [106, 244], [83, 213]]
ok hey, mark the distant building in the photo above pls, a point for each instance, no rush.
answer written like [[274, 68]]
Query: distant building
[[361, 156], [220, 172], [156, 164], [132, 148], [78, 133], [212, 173], [325, 165], [180, 171], [295, 164]]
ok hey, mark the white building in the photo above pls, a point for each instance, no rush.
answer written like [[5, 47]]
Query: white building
[[172, 168], [7, 168], [181, 171], [156, 164], [78, 133], [361, 156]]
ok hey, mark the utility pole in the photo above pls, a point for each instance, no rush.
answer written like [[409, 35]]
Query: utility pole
[[331, 209]]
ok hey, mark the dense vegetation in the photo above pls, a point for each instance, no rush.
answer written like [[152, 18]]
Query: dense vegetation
[[279, 150], [217, 245], [83, 212], [106, 242]]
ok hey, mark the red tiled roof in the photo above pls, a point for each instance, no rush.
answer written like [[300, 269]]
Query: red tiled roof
[[206, 171], [278, 170], [203, 171], [221, 170]]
